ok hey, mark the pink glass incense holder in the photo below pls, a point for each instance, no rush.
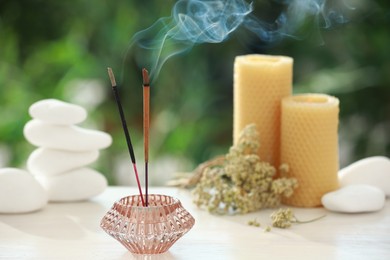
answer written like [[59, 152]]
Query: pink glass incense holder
[[147, 230]]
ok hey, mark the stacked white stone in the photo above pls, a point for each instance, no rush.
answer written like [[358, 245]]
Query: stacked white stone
[[64, 151], [20, 192]]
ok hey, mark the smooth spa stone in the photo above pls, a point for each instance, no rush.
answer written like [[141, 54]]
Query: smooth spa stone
[[57, 112], [373, 171], [47, 161], [62, 137], [76, 185], [355, 199], [20, 192]]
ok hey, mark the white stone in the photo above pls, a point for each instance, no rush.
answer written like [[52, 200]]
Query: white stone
[[373, 171], [354, 199], [57, 112], [47, 161], [20, 192], [64, 137], [76, 185]]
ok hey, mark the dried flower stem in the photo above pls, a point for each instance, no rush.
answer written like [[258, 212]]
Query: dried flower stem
[[308, 221]]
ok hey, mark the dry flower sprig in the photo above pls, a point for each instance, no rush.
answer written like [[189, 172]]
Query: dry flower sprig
[[267, 229], [254, 223], [242, 183], [283, 218]]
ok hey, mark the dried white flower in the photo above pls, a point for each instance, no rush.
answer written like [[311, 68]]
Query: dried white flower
[[242, 182]]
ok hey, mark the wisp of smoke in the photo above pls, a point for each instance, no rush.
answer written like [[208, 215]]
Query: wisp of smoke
[[213, 21]]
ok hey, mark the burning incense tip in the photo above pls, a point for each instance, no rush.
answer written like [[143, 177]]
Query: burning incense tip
[[111, 75], [145, 77]]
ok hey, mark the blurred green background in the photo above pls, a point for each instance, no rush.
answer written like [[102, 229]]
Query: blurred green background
[[61, 49]]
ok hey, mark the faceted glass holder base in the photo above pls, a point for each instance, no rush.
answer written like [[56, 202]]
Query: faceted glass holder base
[[147, 230]]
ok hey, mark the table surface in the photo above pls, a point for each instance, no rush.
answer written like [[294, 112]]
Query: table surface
[[72, 231]]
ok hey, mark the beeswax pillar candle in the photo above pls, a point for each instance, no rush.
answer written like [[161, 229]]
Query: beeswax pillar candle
[[309, 144], [260, 83]]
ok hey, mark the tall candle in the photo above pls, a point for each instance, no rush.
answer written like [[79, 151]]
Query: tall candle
[[260, 83], [309, 144]]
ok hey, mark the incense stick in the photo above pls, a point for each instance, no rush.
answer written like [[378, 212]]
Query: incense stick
[[146, 92], [125, 130]]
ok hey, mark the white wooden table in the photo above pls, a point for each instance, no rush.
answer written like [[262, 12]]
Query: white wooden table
[[71, 231]]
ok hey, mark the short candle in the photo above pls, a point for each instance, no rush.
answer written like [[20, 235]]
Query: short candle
[[309, 144]]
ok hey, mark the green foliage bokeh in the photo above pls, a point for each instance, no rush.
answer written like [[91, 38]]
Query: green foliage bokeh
[[49, 47]]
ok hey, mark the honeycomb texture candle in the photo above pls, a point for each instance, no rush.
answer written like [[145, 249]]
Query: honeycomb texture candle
[[260, 83], [309, 144]]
